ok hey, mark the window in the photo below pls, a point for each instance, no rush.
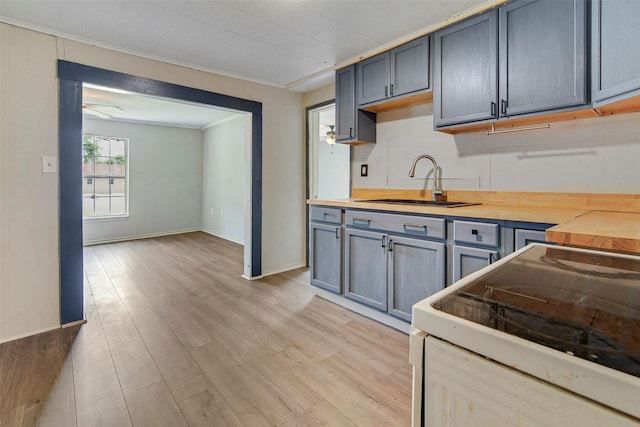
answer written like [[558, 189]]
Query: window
[[104, 175]]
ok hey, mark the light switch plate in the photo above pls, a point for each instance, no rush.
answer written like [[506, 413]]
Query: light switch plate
[[364, 170], [49, 164]]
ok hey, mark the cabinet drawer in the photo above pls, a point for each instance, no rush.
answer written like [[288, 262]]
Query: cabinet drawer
[[475, 233], [418, 226], [325, 214]]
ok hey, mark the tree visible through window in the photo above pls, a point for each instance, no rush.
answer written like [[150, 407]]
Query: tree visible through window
[[104, 176]]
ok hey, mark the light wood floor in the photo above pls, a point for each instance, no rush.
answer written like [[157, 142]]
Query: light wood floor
[[176, 337]]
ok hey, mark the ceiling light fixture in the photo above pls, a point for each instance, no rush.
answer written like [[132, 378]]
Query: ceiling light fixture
[[331, 136]]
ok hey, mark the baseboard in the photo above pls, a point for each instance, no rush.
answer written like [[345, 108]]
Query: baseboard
[[137, 237], [29, 334], [72, 324], [365, 311], [283, 269], [222, 236]]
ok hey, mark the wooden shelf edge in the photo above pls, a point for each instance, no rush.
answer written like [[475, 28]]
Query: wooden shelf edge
[[354, 142], [629, 105], [514, 123], [423, 97]]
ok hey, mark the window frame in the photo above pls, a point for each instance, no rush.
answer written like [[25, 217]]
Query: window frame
[[110, 177]]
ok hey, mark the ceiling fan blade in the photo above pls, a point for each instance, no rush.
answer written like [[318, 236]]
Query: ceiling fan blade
[[103, 107], [97, 113]]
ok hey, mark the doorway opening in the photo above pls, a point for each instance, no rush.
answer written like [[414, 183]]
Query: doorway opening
[[72, 76], [329, 163]]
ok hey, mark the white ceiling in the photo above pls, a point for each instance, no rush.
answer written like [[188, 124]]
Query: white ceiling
[[294, 44], [287, 43], [139, 108]]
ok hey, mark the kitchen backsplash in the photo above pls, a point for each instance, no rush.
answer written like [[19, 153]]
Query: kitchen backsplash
[[598, 155]]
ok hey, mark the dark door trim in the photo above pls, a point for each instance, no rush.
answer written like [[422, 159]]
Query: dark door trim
[[71, 76]]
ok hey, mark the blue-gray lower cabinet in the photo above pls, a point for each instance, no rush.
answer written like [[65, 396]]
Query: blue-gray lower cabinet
[[389, 269], [416, 271], [325, 256], [484, 241], [523, 237], [366, 267], [469, 260]]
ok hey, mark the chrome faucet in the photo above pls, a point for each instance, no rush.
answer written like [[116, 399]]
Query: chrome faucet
[[437, 193]]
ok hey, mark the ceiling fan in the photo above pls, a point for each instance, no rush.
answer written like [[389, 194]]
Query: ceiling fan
[[100, 110], [330, 136]]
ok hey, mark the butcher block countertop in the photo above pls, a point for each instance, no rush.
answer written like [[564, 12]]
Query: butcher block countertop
[[603, 221], [614, 231]]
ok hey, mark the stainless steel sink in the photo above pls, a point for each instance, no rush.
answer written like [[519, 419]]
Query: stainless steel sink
[[437, 203]]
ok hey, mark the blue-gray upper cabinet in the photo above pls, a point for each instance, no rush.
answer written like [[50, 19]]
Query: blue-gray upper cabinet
[[353, 126], [527, 57], [543, 56], [615, 49], [400, 71], [466, 71]]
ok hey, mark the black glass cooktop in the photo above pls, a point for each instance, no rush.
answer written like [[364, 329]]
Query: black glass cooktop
[[584, 304]]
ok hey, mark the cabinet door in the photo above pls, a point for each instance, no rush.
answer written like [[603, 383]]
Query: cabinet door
[[543, 61], [345, 103], [366, 268], [524, 237], [416, 271], [615, 54], [325, 256], [410, 67], [373, 79], [465, 71], [469, 260]]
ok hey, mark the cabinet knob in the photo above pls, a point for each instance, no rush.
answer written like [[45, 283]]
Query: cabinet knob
[[503, 107]]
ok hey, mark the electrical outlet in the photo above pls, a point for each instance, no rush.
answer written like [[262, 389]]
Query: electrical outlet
[[49, 164], [364, 170]]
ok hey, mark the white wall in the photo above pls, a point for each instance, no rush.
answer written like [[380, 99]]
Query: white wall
[[29, 266], [165, 181], [29, 258], [223, 185], [598, 155]]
